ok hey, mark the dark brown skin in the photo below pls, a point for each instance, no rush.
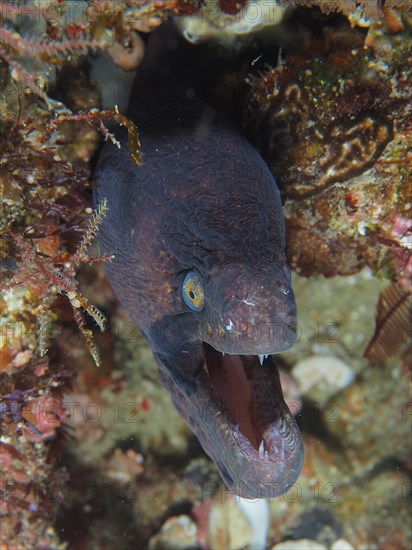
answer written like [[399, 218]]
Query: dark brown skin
[[204, 201]]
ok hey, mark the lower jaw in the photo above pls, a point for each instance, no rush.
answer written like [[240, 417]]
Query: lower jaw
[[250, 399], [229, 427]]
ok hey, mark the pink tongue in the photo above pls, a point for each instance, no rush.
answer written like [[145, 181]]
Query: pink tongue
[[233, 389]]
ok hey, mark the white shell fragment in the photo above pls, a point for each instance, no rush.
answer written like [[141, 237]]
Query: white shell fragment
[[302, 544], [341, 544], [320, 377], [211, 23]]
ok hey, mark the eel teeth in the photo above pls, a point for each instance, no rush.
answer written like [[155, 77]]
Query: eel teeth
[[262, 450], [261, 358], [236, 431]]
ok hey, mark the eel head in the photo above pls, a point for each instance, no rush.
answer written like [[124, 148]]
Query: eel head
[[215, 359]]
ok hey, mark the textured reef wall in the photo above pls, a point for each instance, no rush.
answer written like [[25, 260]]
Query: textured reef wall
[[93, 456]]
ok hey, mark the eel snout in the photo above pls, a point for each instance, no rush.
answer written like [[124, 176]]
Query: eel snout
[[250, 311]]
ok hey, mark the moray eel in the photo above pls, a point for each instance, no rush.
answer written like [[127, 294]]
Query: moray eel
[[198, 235]]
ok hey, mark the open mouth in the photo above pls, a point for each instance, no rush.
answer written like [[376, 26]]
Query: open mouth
[[249, 394], [235, 406]]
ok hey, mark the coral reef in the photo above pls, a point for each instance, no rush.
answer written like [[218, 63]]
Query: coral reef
[[333, 119], [45, 204], [42, 203], [358, 12]]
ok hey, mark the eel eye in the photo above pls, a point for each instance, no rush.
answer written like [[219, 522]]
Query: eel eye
[[192, 290]]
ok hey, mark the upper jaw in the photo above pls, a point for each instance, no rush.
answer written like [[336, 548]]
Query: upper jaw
[[258, 317], [253, 337]]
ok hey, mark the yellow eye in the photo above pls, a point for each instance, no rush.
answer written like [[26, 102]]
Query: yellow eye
[[192, 290]]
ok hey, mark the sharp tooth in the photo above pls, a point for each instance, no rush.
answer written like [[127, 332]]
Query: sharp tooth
[[261, 358], [262, 449], [236, 432], [266, 356]]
